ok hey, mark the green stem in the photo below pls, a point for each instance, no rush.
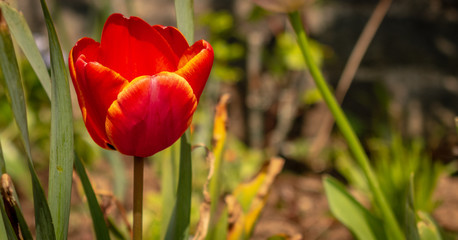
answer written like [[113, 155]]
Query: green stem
[[138, 197], [344, 126]]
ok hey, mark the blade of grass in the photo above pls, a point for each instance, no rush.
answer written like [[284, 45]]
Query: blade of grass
[[23, 36], [179, 221], [10, 69], [61, 157], [98, 221]]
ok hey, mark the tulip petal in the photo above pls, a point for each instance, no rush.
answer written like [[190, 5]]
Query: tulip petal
[[195, 65], [131, 47], [150, 114], [174, 38], [98, 87], [87, 47]]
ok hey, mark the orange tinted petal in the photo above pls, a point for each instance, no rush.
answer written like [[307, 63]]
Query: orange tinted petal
[[150, 114], [98, 87], [195, 65], [133, 48]]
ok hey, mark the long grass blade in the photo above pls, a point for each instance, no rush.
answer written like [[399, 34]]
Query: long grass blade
[[98, 221], [23, 36], [10, 69], [179, 222], [61, 156]]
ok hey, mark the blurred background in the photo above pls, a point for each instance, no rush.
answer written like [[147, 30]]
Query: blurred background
[[402, 103]]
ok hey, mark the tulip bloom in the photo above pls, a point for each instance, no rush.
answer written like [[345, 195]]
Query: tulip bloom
[[139, 87]]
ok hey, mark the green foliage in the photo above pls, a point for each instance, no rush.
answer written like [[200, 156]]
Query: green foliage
[[407, 176], [427, 227], [6, 229], [395, 161], [286, 54], [228, 47], [61, 153], [24, 38], [351, 213], [10, 69], [311, 96], [179, 221]]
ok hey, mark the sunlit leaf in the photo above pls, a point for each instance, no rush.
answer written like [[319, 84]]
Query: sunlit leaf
[[23, 36], [351, 213], [10, 69], [427, 227], [218, 142], [250, 198], [98, 221], [61, 154]]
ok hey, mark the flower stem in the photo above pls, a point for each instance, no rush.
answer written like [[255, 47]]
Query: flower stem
[[138, 197], [354, 144]]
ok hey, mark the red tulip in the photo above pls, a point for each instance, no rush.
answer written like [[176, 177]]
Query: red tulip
[[139, 87]]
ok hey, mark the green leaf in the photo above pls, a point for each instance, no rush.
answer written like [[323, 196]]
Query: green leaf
[[410, 220], [20, 217], [169, 160], [220, 231], [351, 213], [5, 226], [2, 161], [249, 199], [98, 221], [9, 231], [10, 201], [10, 69], [427, 227], [23, 36], [185, 18], [179, 221], [61, 156]]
